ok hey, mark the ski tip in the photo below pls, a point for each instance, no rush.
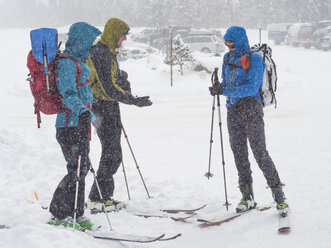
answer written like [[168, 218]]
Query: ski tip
[[284, 230], [170, 238]]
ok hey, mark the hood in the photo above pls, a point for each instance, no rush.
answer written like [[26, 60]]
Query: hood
[[80, 39], [238, 35], [113, 31]]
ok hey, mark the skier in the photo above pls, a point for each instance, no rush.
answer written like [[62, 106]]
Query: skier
[[72, 126], [110, 86], [245, 118]]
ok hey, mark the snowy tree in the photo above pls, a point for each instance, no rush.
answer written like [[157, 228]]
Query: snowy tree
[[181, 54]]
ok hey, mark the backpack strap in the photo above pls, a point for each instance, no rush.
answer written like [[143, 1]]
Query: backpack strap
[[232, 66], [79, 70], [244, 61]]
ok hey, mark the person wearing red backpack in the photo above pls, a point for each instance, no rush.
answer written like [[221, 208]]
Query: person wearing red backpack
[[72, 127], [245, 118], [110, 87]]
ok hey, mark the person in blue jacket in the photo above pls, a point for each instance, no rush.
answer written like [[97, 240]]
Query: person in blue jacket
[[72, 125], [245, 118]]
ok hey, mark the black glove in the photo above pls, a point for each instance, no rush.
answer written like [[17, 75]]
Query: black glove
[[142, 101], [217, 89], [123, 75], [123, 82], [84, 118]]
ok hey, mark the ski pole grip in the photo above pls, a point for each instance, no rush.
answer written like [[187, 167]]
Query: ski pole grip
[[216, 75]]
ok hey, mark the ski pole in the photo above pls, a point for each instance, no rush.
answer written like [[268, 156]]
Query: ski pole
[[126, 180], [209, 174], [215, 80], [102, 200], [46, 66], [134, 158], [76, 193]]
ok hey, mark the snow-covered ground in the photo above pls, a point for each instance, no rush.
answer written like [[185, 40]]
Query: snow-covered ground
[[171, 142]]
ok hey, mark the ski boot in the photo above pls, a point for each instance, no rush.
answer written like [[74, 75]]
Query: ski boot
[[279, 197], [84, 222], [247, 201], [109, 206], [68, 221]]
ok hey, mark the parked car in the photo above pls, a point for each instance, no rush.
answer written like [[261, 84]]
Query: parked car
[[300, 34], [205, 44], [318, 34], [135, 51], [278, 32], [325, 42], [143, 36]]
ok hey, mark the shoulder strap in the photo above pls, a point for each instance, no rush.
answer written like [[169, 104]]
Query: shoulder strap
[[232, 66], [79, 70]]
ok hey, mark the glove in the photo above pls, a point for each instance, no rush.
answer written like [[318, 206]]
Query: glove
[[123, 75], [142, 101], [86, 116], [217, 89], [84, 119], [123, 82]]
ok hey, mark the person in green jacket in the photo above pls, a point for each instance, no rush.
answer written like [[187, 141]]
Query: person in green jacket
[[110, 86]]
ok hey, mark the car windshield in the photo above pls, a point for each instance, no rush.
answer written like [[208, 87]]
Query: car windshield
[[306, 30]]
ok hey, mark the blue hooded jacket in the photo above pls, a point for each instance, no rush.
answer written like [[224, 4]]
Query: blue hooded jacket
[[238, 82], [81, 37]]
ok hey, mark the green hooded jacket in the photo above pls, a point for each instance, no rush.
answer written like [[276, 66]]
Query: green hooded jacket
[[104, 66]]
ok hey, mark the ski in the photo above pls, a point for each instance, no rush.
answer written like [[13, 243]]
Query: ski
[[187, 211], [127, 237], [208, 223], [284, 224], [130, 238], [181, 219], [170, 238]]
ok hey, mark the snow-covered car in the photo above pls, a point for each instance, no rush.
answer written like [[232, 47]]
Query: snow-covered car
[[143, 36], [325, 42], [205, 44], [301, 34], [278, 31], [134, 53], [319, 34]]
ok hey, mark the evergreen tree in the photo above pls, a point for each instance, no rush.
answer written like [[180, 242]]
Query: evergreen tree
[[181, 54]]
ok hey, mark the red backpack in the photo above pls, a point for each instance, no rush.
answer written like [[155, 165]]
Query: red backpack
[[42, 79]]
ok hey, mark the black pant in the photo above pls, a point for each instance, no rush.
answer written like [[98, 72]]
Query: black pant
[[73, 141], [245, 122], [109, 130]]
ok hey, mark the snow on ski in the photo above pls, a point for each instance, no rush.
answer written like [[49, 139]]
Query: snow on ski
[[187, 211], [284, 224]]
